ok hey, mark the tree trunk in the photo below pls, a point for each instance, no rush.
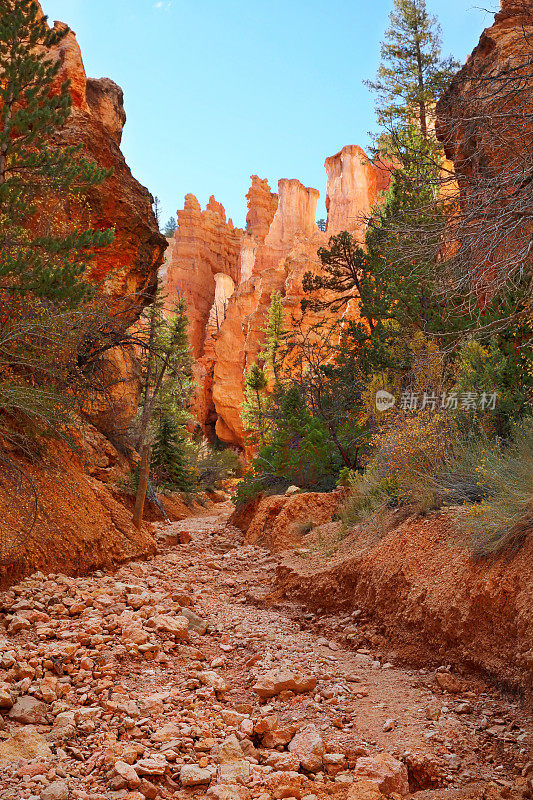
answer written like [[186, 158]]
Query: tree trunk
[[421, 88], [144, 474]]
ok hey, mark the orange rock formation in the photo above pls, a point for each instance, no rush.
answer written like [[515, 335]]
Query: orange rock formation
[[97, 119], [354, 183], [204, 245], [81, 521], [228, 275], [129, 267]]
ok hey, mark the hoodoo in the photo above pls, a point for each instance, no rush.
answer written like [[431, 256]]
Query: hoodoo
[[277, 247]]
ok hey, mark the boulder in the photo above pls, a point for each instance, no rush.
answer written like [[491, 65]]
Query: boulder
[[281, 679], [229, 750], [213, 679], [286, 784], [389, 774], [283, 762], [155, 764], [177, 626], [364, 790], [26, 743], [128, 774], [449, 682], [192, 775], [196, 623], [57, 790], [29, 711], [308, 746], [6, 701]]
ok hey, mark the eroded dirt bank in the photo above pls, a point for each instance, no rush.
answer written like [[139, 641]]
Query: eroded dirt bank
[[80, 521], [428, 596], [71, 512], [182, 676]]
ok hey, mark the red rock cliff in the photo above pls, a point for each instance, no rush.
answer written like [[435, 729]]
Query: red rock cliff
[[129, 266], [484, 122], [279, 245], [81, 522], [132, 261]]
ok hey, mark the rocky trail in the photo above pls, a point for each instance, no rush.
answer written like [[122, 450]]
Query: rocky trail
[[187, 676]]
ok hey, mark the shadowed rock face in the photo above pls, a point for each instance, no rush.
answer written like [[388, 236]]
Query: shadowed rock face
[[483, 87], [484, 123], [279, 245]]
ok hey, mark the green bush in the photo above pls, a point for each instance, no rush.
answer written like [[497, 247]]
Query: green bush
[[299, 450], [170, 467], [256, 482], [212, 466], [494, 367]]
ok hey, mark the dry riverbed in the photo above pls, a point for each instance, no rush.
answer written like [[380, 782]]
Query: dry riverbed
[[184, 676]]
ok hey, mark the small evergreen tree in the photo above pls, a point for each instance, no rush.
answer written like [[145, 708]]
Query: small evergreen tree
[[275, 335], [255, 405], [156, 205], [42, 185], [412, 73], [166, 366], [170, 228], [169, 455]]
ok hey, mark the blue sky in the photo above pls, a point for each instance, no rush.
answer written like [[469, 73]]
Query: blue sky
[[218, 90]]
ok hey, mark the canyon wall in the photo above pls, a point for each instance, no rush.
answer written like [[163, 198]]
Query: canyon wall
[[127, 270], [129, 266], [80, 520], [484, 123], [227, 275]]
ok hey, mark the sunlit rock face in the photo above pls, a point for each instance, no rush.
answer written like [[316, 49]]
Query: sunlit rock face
[[205, 244], [127, 270], [295, 217], [129, 266], [228, 276], [354, 185]]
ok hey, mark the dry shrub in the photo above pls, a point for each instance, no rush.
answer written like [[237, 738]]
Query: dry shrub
[[409, 454], [407, 457], [503, 518], [303, 528]]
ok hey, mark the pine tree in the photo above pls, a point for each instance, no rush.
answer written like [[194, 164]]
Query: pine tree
[[412, 72], [42, 185], [48, 316], [254, 408], [275, 335], [169, 457], [170, 228], [166, 365]]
